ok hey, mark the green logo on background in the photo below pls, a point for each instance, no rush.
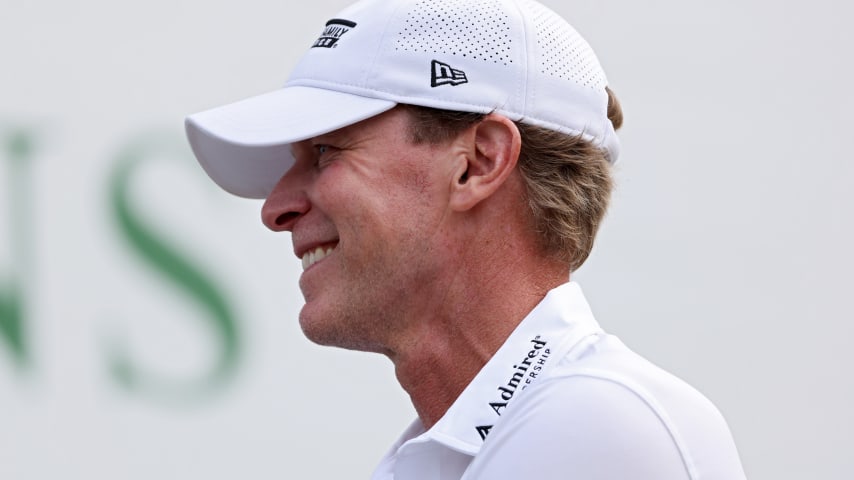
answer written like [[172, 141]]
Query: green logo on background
[[18, 146], [164, 259], [152, 246]]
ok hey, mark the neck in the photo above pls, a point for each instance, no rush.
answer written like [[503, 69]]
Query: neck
[[465, 324]]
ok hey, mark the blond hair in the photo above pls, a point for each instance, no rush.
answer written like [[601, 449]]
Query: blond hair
[[567, 179]]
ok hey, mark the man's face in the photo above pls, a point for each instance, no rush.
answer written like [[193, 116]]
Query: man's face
[[365, 207]]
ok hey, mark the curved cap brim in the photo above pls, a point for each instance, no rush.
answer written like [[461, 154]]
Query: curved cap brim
[[245, 146]]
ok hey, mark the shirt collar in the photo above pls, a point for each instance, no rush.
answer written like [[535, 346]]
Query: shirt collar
[[548, 332]]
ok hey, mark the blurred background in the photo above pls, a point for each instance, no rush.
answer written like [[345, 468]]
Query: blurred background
[[148, 321]]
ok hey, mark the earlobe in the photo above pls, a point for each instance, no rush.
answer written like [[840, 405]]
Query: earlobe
[[491, 152]]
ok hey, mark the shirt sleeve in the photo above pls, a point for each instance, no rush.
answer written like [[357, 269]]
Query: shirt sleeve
[[581, 428]]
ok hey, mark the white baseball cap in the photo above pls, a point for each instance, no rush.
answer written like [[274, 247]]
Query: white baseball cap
[[513, 57]]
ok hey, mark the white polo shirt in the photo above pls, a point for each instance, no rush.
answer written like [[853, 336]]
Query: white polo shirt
[[561, 399]]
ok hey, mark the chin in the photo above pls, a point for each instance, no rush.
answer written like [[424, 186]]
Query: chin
[[330, 330], [313, 326]]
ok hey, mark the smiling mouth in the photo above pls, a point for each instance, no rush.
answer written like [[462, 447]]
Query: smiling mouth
[[315, 255]]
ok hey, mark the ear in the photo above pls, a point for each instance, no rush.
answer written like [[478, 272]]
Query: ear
[[491, 152]]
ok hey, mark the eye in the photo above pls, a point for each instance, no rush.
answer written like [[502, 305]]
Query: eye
[[324, 153], [324, 149]]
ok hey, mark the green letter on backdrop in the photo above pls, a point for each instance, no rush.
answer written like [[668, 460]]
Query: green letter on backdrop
[[170, 265], [18, 150]]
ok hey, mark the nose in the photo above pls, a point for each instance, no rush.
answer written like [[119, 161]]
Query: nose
[[285, 204]]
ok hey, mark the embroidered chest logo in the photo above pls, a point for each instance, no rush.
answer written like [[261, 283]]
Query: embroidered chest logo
[[332, 33], [443, 74], [524, 373]]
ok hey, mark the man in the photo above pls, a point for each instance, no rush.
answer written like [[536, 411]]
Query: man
[[443, 167]]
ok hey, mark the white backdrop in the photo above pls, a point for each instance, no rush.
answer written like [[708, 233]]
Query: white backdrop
[[726, 257]]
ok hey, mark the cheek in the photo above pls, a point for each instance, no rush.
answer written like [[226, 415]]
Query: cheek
[[386, 199], [336, 192]]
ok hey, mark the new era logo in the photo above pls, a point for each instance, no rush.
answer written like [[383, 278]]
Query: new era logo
[[443, 74]]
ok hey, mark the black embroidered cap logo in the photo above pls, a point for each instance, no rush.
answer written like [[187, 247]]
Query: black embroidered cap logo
[[443, 74], [332, 32]]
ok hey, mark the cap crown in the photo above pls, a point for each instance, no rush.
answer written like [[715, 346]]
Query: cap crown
[[514, 57]]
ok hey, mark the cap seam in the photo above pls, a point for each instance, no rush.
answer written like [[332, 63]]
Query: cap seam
[[523, 84]]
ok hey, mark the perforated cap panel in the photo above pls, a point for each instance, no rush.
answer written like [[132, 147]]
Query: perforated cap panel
[[562, 51], [479, 29], [475, 29]]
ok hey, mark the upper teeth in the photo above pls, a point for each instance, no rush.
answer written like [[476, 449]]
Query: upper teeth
[[311, 257]]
